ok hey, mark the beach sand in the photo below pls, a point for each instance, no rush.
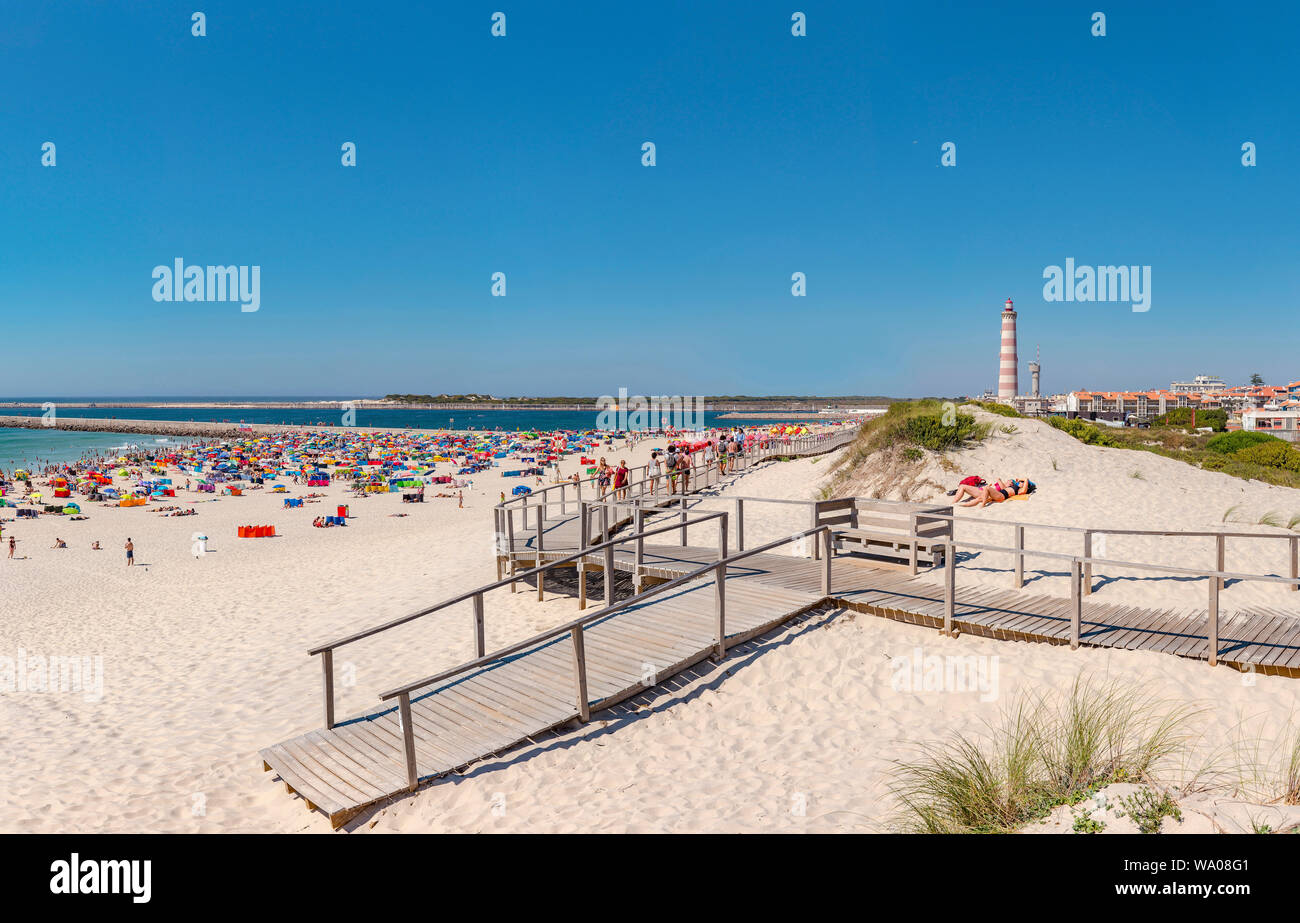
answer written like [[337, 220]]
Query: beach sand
[[204, 661]]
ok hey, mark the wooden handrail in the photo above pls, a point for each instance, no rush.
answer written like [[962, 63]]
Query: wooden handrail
[[366, 633], [583, 620]]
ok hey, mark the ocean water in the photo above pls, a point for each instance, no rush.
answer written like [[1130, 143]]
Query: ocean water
[[32, 448], [402, 418], [43, 445]]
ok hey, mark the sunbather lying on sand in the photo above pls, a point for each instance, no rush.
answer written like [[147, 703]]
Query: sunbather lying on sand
[[993, 493]]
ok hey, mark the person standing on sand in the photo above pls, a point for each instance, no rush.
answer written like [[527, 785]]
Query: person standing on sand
[[130, 552], [460, 499], [12, 542]]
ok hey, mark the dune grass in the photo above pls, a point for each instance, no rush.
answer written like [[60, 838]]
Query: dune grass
[[1042, 754]]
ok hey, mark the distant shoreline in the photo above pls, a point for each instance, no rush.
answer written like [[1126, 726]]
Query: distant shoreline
[[203, 429], [750, 408]]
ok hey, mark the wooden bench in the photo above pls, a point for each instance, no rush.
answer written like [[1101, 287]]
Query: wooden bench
[[904, 532]]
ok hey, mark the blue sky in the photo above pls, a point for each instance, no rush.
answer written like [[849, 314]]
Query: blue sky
[[522, 155]]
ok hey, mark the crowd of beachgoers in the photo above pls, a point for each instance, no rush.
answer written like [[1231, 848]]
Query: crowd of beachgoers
[[158, 477]]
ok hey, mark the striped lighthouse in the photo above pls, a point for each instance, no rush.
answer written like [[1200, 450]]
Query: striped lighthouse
[[1007, 362]]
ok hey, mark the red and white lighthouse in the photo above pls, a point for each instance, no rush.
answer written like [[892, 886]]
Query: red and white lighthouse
[[1007, 361]]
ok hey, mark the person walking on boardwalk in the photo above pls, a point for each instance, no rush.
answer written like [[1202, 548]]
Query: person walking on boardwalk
[[684, 466], [621, 474], [652, 471]]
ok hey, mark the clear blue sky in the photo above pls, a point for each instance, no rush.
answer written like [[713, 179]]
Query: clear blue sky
[[522, 155]]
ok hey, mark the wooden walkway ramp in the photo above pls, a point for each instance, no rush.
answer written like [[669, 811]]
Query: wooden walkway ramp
[[504, 703], [484, 711], [1256, 639]]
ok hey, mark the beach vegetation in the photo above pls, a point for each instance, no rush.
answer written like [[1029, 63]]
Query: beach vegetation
[[1148, 809], [1275, 454], [1043, 753], [1228, 443], [908, 429], [1002, 410], [1086, 433], [1185, 416], [1084, 822]]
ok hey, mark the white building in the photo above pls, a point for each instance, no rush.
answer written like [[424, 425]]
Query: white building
[[1198, 385], [1284, 424]]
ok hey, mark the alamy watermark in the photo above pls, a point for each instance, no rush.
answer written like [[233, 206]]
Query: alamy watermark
[[1099, 283], [625, 413], [179, 282], [55, 673], [949, 673]]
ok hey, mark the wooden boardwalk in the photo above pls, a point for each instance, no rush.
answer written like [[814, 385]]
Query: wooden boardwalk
[[485, 711], [488, 710], [1258, 639]]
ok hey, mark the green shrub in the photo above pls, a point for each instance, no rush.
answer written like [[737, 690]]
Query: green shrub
[[1227, 443], [930, 432], [1272, 454], [1001, 410], [1182, 416], [1085, 432]]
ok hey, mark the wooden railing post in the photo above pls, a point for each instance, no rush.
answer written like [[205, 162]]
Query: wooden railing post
[[537, 558], [1087, 567], [720, 591], [609, 575], [524, 525], [740, 525], [497, 516], [408, 739], [1020, 556], [683, 518], [949, 585], [1294, 542], [639, 526], [1213, 626], [510, 546], [584, 539], [580, 673], [1220, 547], [327, 664], [1076, 602], [827, 556], [479, 649], [813, 512]]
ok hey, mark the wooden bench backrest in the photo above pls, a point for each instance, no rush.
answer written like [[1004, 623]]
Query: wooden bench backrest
[[856, 512]]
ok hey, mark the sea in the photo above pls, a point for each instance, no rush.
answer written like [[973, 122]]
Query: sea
[[23, 447]]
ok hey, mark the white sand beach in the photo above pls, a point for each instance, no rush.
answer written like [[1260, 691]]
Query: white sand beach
[[204, 659]]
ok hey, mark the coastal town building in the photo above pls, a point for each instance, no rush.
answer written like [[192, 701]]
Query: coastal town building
[[1198, 384], [1285, 424]]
